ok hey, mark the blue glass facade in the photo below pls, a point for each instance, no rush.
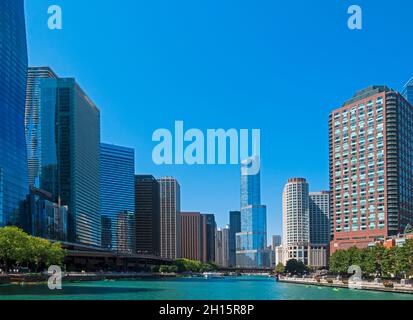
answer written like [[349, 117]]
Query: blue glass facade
[[117, 197], [13, 74], [66, 154], [407, 91], [252, 240]]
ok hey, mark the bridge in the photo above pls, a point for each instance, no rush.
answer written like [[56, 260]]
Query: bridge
[[92, 259]]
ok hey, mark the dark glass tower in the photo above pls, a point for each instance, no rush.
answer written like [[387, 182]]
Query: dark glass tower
[[208, 229], [147, 208], [67, 155], [234, 228], [13, 73]]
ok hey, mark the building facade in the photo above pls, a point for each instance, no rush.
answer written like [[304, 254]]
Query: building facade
[[276, 241], [33, 121], [407, 91], [147, 208], [170, 207], [13, 76], [234, 228], [68, 149], [252, 240], [208, 229], [319, 214], [117, 197], [370, 167], [296, 220], [191, 237]]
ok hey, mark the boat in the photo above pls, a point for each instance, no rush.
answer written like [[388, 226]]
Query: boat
[[213, 275]]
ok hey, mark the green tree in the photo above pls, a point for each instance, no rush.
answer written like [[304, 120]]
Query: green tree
[[280, 268], [12, 246], [295, 267]]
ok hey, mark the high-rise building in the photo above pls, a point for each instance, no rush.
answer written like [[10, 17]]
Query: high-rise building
[[225, 247], [218, 247], [319, 214], [296, 220], [371, 175], [191, 243], [252, 240], [33, 121], [147, 208], [297, 230], [68, 149], [170, 217], [117, 197], [208, 228], [13, 77], [407, 91], [276, 241], [234, 228]]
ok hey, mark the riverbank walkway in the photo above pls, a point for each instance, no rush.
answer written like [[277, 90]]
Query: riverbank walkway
[[385, 286]]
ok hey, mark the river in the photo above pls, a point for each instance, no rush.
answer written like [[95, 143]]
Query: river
[[236, 288]]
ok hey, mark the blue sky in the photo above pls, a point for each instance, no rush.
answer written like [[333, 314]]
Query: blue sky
[[278, 66]]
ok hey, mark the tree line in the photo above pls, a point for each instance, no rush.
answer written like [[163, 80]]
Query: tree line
[[376, 261], [18, 249]]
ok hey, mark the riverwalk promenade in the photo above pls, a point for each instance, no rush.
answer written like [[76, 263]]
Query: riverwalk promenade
[[385, 286]]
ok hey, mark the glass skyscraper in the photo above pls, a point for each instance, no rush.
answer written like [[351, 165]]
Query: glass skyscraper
[[252, 240], [63, 128], [117, 197], [13, 74], [234, 228], [407, 91]]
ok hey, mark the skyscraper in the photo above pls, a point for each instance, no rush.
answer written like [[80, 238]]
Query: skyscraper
[[225, 246], [252, 240], [117, 197], [33, 121], [191, 243], [304, 220], [208, 228], [147, 208], [234, 228], [68, 153], [170, 217], [276, 241], [407, 91], [319, 214], [370, 167], [296, 220], [218, 247], [13, 77]]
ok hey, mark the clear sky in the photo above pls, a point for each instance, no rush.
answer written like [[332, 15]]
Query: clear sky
[[278, 66]]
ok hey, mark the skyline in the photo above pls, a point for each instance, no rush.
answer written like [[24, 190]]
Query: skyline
[[162, 71]]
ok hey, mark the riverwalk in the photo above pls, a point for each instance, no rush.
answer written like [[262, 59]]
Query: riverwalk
[[385, 286]]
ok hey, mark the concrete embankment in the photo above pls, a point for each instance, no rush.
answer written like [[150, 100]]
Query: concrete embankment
[[42, 278], [363, 285]]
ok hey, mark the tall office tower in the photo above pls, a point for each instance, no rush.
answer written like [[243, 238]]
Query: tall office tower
[[276, 241], [32, 121], [69, 152], [13, 77], [319, 210], [147, 202], [208, 228], [252, 240], [218, 247], [234, 228], [407, 91], [191, 236], [296, 225], [117, 197], [225, 247], [170, 218], [370, 167]]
